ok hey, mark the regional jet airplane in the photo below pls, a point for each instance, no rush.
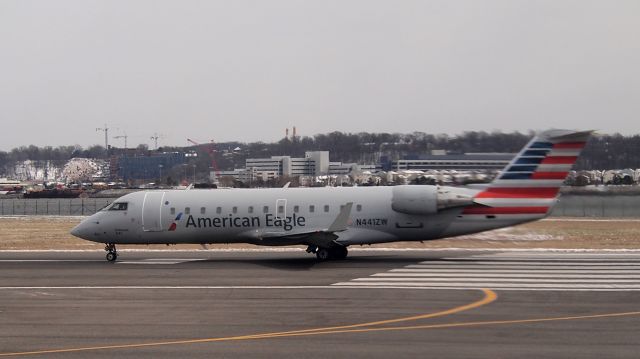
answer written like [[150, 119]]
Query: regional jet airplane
[[328, 220]]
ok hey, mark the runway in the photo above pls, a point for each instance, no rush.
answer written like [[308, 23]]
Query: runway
[[202, 304]]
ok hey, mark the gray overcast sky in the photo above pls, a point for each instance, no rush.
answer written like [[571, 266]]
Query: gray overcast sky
[[246, 70]]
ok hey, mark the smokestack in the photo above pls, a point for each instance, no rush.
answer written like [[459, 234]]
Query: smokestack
[[294, 131], [286, 133]]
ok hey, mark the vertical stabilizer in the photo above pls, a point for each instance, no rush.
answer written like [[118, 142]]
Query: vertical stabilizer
[[530, 183]]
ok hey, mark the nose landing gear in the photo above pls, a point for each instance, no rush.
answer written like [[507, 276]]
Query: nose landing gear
[[112, 253]]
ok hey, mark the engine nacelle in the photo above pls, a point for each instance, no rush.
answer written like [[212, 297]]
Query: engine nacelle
[[423, 200]]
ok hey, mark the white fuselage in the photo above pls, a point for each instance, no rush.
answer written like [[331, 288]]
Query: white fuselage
[[276, 216]]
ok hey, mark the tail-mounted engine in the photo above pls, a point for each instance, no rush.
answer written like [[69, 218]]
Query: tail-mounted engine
[[423, 200]]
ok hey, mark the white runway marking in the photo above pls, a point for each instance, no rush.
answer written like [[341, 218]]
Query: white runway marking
[[160, 261], [359, 286], [463, 274], [141, 261], [587, 219], [47, 260], [555, 263], [561, 272], [187, 287], [512, 271]]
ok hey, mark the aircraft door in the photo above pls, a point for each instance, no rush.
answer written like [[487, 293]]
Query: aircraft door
[[281, 208], [152, 211]]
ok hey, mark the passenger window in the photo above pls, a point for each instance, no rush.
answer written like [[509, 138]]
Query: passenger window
[[119, 206], [326, 208], [235, 210], [187, 210], [296, 209], [359, 208], [265, 209], [312, 208], [219, 210], [202, 210], [173, 210], [250, 209]]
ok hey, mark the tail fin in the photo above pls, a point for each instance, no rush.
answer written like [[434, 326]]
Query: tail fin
[[530, 183]]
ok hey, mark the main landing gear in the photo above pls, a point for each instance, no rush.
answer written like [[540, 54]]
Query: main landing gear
[[323, 253], [112, 253]]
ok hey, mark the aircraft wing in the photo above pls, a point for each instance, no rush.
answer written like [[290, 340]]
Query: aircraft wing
[[323, 237]]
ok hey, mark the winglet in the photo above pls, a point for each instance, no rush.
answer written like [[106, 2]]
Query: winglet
[[341, 222]]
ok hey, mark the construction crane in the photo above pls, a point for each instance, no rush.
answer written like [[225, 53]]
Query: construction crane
[[125, 139], [105, 129], [211, 149]]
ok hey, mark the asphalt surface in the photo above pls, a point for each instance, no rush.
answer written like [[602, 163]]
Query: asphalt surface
[[445, 304]]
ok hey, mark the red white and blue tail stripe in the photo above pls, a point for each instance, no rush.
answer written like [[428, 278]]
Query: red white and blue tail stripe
[[530, 184]]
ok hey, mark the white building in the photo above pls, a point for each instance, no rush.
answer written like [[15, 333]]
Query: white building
[[278, 164], [314, 163], [249, 175], [468, 161], [339, 168]]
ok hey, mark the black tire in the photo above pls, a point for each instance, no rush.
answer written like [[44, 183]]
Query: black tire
[[339, 252], [112, 256], [323, 254]]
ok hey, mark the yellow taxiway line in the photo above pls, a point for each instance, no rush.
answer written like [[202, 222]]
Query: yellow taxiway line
[[489, 296]]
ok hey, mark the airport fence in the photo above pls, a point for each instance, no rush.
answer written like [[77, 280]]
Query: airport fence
[[52, 206], [611, 206]]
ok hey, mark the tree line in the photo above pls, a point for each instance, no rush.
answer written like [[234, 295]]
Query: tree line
[[602, 152]]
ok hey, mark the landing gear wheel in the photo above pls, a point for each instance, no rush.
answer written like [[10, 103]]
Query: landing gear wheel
[[112, 256], [339, 252], [323, 254], [112, 253]]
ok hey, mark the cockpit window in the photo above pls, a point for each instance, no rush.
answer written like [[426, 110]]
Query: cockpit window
[[106, 206], [119, 206]]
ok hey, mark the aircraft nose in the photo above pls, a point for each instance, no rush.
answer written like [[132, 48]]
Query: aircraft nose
[[82, 230]]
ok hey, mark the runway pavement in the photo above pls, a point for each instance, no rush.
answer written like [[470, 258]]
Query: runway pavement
[[405, 304]]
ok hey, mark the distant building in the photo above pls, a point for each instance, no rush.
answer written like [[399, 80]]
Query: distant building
[[145, 167], [278, 164], [467, 161], [339, 168], [249, 175], [314, 163]]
